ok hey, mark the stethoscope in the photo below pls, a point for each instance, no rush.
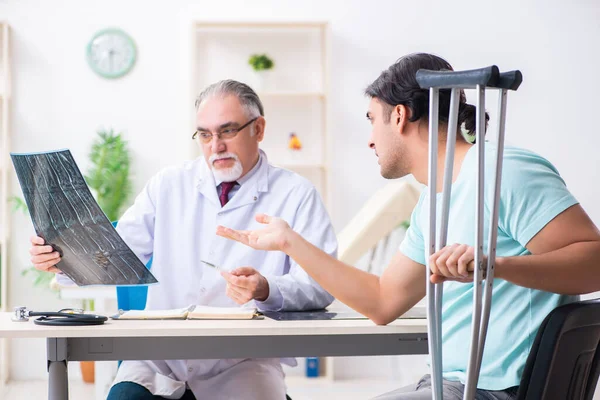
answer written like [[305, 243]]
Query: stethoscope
[[64, 317]]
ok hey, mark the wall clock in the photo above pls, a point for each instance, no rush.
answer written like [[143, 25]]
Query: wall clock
[[111, 53]]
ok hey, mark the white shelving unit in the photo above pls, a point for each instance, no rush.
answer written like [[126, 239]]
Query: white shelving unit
[[4, 159], [5, 166], [294, 93]]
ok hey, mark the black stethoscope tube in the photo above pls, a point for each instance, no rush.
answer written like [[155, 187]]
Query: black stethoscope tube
[[66, 319]]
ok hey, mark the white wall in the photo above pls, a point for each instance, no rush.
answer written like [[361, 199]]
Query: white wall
[[59, 102]]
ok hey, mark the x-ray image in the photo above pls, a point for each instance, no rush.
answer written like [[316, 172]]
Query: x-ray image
[[66, 216]]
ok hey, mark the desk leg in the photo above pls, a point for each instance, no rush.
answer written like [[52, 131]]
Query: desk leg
[[58, 381], [104, 371]]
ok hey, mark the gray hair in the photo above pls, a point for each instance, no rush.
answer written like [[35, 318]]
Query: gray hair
[[244, 93]]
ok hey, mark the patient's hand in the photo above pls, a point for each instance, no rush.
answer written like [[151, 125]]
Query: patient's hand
[[454, 263], [245, 284], [43, 256], [274, 236]]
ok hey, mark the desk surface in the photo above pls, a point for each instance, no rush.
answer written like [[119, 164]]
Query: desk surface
[[172, 328]]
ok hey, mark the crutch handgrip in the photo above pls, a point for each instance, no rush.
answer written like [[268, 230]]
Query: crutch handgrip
[[485, 77], [510, 80]]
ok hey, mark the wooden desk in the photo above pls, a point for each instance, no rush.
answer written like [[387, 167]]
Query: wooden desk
[[203, 339]]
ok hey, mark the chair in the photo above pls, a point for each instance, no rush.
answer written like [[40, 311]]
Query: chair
[[564, 360], [377, 219]]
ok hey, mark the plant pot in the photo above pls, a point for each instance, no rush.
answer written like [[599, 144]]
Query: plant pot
[[261, 81], [87, 371]]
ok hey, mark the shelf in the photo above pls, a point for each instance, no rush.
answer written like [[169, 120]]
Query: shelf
[[320, 95], [5, 233], [222, 52], [258, 27], [294, 93], [5, 76]]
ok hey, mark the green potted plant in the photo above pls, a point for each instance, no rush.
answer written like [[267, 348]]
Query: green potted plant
[[260, 63], [108, 176]]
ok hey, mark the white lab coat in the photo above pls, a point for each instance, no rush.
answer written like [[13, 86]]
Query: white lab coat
[[174, 219]]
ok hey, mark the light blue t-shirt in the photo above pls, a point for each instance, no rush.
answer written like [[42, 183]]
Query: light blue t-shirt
[[532, 194]]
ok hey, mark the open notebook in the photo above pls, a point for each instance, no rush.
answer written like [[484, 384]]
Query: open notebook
[[191, 312]]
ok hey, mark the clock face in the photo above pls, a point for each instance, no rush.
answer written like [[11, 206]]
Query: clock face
[[111, 53]]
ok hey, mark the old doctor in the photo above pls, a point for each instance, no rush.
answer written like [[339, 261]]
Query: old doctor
[[174, 220]]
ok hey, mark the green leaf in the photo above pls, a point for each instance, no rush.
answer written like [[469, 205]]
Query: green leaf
[[40, 278], [261, 62], [18, 204], [109, 173]]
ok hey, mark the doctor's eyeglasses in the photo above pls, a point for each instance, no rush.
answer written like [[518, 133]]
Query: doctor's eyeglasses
[[225, 132]]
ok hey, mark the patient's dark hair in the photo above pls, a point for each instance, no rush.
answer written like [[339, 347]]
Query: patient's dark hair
[[398, 85]]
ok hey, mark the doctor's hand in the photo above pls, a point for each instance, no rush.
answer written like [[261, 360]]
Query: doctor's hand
[[453, 263], [43, 256], [245, 284], [274, 236]]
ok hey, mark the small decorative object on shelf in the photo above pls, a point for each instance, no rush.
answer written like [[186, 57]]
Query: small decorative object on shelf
[[294, 143]]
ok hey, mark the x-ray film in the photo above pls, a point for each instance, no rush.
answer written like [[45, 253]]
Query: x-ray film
[[67, 217]]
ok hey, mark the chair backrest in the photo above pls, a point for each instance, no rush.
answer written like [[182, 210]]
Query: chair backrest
[[132, 297], [380, 215], [563, 362]]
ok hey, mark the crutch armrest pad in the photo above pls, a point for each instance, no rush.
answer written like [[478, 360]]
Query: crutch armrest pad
[[487, 76]]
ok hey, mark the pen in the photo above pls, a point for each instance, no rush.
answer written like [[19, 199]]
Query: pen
[[211, 265]]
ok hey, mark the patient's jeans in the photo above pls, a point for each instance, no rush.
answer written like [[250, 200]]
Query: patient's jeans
[[452, 391], [133, 391]]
